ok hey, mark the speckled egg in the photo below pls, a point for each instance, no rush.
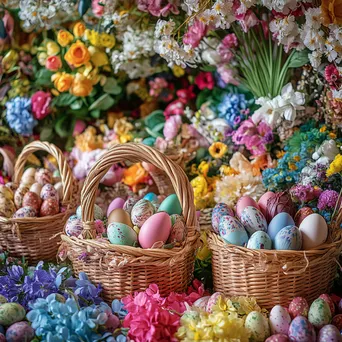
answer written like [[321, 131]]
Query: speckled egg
[[7, 207], [319, 313], [129, 204], [213, 300], [243, 202], [177, 229], [48, 191], [31, 199], [73, 226], [301, 214], [202, 302], [36, 188], [259, 240], [25, 212], [257, 324], [329, 333], [49, 207], [141, 211], [232, 231], [329, 301], [289, 238], [60, 189], [337, 321], [19, 195], [278, 338], [121, 234], [301, 330], [98, 213], [279, 320], [220, 209], [29, 172], [6, 192], [298, 307], [171, 205], [279, 222], [11, 313], [20, 332], [43, 176], [253, 220]]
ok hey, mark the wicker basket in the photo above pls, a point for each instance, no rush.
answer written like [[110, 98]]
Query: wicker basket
[[205, 219], [275, 277], [123, 269], [37, 238]]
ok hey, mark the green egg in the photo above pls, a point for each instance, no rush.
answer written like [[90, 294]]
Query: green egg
[[11, 313], [319, 313], [258, 326], [121, 234], [3, 299], [171, 205]]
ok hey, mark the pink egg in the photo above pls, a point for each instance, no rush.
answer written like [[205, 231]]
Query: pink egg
[[337, 321], [298, 307], [202, 302], [117, 203], [148, 167], [278, 338], [243, 202], [213, 300], [329, 301], [262, 203]]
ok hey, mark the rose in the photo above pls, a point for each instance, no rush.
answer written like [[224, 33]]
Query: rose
[[53, 63], [62, 81], [107, 40], [64, 38], [205, 80], [52, 48], [332, 12], [99, 58], [97, 8], [40, 102], [77, 54], [81, 86], [79, 29]]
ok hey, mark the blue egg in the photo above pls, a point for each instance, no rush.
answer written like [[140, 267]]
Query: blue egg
[[232, 231], [259, 240], [278, 222], [220, 209], [151, 196], [289, 238]]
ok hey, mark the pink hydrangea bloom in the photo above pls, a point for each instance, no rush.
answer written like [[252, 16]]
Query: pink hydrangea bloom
[[172, 126], [227, 74], [40, 102], [195, 34]]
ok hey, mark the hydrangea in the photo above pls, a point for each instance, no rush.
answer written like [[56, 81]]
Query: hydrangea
[[327, 200]]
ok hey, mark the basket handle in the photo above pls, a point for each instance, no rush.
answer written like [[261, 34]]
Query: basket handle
[[64, 169], [135, 152]]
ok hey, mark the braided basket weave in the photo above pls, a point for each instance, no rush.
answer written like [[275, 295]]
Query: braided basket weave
[[36, 238], [123, 269]]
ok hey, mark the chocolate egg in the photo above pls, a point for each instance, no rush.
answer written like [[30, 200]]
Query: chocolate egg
[[49, 191], [19, 196], [59, 187], [36, 188], [49, 207], [141, 211], [7, 207], [301, 214], [31, 199], [120, 216], [43, 176], [6, 192]]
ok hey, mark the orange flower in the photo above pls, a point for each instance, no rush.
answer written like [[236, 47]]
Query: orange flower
[[64, 38], [77, 55], [62, 81], [134, 175], [332, 12], [81, 86], [79, 29]]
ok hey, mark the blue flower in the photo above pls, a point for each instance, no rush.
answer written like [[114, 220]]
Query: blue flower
[[118, 308]]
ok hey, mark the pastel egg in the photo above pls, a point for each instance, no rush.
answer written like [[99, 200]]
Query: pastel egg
[[19, 195], [73, 226], [7, 207], [60, 189], [25, 212], [329, 301], [11, 313], [151, 196], [220, 209], [31, 199], [243, 202], [27, 181], [120, 216], [298, 307], [289, 238], [329, 333], [279, 320], [129, 204], [3, 299], [178, 229], [36, 188], [253, 220], [117, 203], [43, 176], [319, 313], [314, 231], [98, 213], [56, 176], [171, 205], [232, 231], [49, 207], [6, 192], [156, 228], [337, 321], [202, 302], [262, 203], [141, 211], [279, 222], [301, 214], [29, 172], [48, 191], [121, 234], [278, 338], [20, 332], [301, 330], [257, 324], [259, 240], [213, 300]]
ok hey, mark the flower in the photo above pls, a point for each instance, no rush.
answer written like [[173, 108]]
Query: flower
[[331, 74], [53, 63], [98, 58], [218, 149], [205, 80], [52, 48], [172, 126], [62, 81], [332, 12], [335, 166], [81, 86], [97, 7], [305, 193], [327, 200], [41, 104], [107, 40], [134, 175], [79, 29], [228, 75], [77, 54], [195, 33], [64, 38]]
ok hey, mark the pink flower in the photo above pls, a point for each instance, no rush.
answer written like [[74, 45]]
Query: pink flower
[[155, 8], [97, 9], [247, 20], [53, 63], [172, 126], [8, 22], [331, 74], [230, 41], [228, 75], [161, 144], [205, 80], [244, 132], [40, 102], [195, 34], [78, 128]]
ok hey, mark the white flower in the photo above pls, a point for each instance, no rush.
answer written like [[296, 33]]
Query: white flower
[[283, 6], [313, 39], [337, 94], [315, 59], [326, 152], [164, 28], [313, 18], [190, 6]]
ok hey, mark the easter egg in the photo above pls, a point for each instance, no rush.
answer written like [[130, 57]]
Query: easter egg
[[329, 333], [27, 181], [49, 207], [259, 240], [314, 231], [48, 191], [301, 214], [29, 172], [202, 302], [220, 209], [337, 321], [60, 189], [171, 205], [289, 238], [213, 300], [156, 228], [281, 202], [151, 196], [156, 205], [20, 332], [98, 213], [232, 231], [278, 338], [121, 234], [177, 233], [36, 188], [11, 186], [243, 202], [253, 220], [11, 313], [329, 301], [7, 207], [19, 196], [56, 176], [262, 203], [257, 324], [2, 338], [298, 307], [43, 176], [117, 203], [301, 330], [279, 222], [3, 299], [120, 216], [25, 212], [319, 313], [141, 211], [279, 320], [73, 226], [6, 192], [31, 199], [129, 204]]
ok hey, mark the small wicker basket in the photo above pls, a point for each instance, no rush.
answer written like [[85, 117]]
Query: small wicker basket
[[123, 269], [36, 238], [205, 219], [273, 276]]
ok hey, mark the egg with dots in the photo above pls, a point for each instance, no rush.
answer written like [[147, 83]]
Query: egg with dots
[[329, 333], [301, 330], [232, 231], [262, 203], [19, 195], [178, 229], [141, 211], [156, 228], [48, 191], [243, 202], [253, 220], [301, 214], [220, 210], [25, 212], [121, 216], [289, 239], [337, 321], [171, 205], [43, 176], [213, 300], [314, 231], [31, 199], [278, 338], [279, 320], [279, 222], [129, 204], [319, 313], [121, 234], [49, 207], [298, 307], [20, 332], [257, 324], [329, 301], [117, 203], [259, 240], [73, 226]]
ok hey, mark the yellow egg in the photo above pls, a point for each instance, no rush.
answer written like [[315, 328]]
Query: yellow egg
[[120, 216], [7, 207], [6, 192]]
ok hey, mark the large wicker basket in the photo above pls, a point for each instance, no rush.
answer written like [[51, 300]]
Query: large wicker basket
[[37, 238], [275, 277], [123, 269]]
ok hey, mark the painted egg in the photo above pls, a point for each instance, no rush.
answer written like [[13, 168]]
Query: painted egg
[[314, 231], [29, 172], [220, 209], [337, 321], [279, 222], [98, 213], [262, 203], [329, 301], [257, 324], [36, 188], [43, 176], [156, 206], [49, 191], [7, 207], [177, 229], [56, 176], [121, 234], [253, 220], [243, 202], [31, 199], [301, 214], [329, 333], [73, 226], [213, 300], [279, 320], [141, 211], [60, 189], [20, 332], [171, 205], [278, 338], [319, 313], [49, 207], [289, 238], [151, 196], [232, 231], [129, 204], [259, 240], [156, 228], [25, 212], [6, 192], [117, 203], [120, 216], [11, 313], [19, 196], [298, 307], [202, 302], [301, 330]]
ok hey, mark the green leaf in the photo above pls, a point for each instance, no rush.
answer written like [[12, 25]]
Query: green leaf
[[64, 100], [155, 118], [209, 68], [46, 133], [202, 97], [103, 103], [43, 78], [77, 104], [79, 113], [62, 126], [95, 113], [111, 86], [298, 59], [159, 127]]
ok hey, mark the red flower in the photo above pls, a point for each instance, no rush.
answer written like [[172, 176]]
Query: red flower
[[40, 102], [205, 80], [332, 75]]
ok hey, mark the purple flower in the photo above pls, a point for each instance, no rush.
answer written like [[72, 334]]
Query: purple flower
[[327, 199], [305, 193]]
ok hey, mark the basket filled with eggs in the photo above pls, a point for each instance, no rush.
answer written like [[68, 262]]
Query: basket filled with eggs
[[139, 241], [35, 206], [269, 251]]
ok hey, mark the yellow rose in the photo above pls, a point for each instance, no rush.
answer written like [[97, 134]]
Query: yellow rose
[[10, 60], [52, 48], [332, 12], [77, 54], [94, 38], [42, 58], [98, 57], [81, 86], [62, 81], [107, 40], [79, 29], [64, 38]]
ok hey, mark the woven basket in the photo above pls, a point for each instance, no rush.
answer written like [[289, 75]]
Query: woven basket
[[123, 269], [36, 238], [205, 219], [275, 277]]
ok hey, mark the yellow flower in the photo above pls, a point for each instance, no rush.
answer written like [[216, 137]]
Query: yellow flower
[[331, 12], [332, 135], [62, 81], [296, 158], [335, 166], [10, 60], [79, 29], [107, 40], [292, 166], [64, 38], [228, 170], [218, 149], [203, 252], [77, 54], [99, 58], [323, 129], [178, 71], [42, 56], [280, 154], [93, 37], [82, 86], [88, 140], [52, 48], [203, 168], [122, 126]]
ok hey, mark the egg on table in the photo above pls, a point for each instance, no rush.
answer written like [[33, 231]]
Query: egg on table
[[171, 205], [141, 211], [253, 220], [257, 324], [232, 231], [49, 207], [121, 234], [289, 238], [31, 199], [329, 333], [11, 313], [243, 202], [121, 216], [279, 320], [25, 212], [220, 210], [314, 231], [259, 240], [298, 307], [279, 222], [48, 191], [301, 330], [319, 313], [20, 332]]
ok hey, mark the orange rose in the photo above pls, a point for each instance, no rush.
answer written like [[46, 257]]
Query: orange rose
[[332, 12], [79, 29], [62, 81], [81, 86], [77, 55], [64, 38], [53, 63]]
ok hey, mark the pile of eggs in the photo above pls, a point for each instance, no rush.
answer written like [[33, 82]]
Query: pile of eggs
[[248, 227], [38, 195], [141, 222]]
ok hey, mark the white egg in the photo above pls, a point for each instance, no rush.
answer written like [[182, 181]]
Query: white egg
[[279, 320], [314, 231]]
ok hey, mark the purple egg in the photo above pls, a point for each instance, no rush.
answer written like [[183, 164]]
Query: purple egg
[[117, 203], [329, 333], [19, 332], [301, 330]]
